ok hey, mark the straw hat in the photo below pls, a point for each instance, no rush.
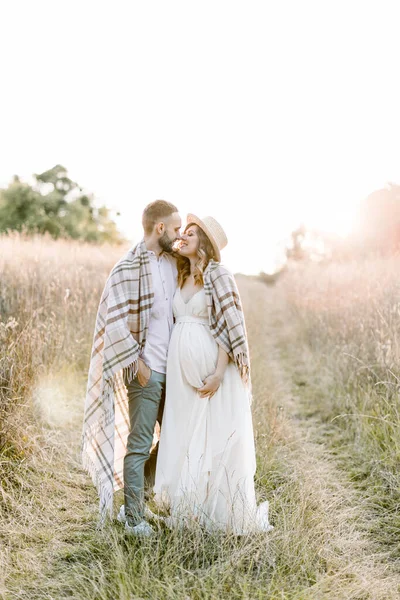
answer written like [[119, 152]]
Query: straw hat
[[213, 231]]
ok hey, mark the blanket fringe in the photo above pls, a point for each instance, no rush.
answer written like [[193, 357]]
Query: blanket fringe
[[105, 506], [105, 492], [131, 371], [242, 364]]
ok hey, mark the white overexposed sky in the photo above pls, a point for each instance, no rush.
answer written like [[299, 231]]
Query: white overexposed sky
[[262, 114]]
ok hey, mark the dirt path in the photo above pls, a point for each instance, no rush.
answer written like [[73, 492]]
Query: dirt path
[[356, 566]]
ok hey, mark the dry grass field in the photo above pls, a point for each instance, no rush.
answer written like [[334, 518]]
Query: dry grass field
[[325, 354]]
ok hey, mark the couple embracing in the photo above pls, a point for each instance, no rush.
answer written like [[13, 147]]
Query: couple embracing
[[170, 350]]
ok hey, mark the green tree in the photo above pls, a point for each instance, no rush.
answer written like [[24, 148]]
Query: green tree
[[55, 205]]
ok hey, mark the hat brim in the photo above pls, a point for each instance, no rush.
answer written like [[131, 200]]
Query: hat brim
[[192, 219]]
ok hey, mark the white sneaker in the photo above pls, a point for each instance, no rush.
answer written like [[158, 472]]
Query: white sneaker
[[141, 530], [121, 515], [148, 514]]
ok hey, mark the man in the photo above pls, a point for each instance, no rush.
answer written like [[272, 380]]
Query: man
[[126, 385]]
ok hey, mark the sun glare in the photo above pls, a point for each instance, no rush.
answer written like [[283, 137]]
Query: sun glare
[[331, 217]]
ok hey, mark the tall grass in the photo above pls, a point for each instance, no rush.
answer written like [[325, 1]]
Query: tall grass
[[344, 347], [322, 546], [49, 293]]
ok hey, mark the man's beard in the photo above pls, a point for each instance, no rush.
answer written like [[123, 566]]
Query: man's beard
[[166, 243]]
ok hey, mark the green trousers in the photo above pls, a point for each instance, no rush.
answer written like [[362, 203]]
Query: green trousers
[[146, 405]]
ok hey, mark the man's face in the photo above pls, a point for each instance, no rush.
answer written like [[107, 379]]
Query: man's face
[[171, 232]]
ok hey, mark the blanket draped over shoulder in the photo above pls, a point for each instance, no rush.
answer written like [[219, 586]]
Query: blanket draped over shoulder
[[226, 316], [119, 338]]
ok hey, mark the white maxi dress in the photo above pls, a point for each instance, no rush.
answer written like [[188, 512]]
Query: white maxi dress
[[206, 458]]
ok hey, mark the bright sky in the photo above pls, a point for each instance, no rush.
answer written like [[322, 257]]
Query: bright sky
[[262, 114]]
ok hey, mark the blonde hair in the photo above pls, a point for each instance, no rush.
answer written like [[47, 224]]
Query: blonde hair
[[205, 253]]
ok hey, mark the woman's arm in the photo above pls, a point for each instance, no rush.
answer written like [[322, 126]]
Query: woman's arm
[[222, 363], [213, 381]]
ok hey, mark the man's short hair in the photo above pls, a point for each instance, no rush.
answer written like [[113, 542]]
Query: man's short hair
[[155, 212]]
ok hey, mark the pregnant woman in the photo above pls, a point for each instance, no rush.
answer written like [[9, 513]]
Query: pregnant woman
[[206, 459]]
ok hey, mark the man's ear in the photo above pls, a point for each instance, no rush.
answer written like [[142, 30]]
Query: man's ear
[[160, 228]]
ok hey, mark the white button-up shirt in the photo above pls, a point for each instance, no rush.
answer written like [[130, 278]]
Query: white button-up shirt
[[164, 275]]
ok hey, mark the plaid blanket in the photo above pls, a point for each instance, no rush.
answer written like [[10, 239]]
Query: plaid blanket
[[119, 338], [226, 316]]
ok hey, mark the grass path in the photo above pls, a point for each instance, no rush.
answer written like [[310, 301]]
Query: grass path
[[321, 548], [326, 465]]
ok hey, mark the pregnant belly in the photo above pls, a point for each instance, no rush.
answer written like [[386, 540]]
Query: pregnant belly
[[197, 352]]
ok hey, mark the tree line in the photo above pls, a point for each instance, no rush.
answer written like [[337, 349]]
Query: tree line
[[55, 205]]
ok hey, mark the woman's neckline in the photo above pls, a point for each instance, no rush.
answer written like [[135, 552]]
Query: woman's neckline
[[192, 296]]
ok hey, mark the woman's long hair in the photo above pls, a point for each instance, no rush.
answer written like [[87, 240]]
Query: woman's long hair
[[205, 253]]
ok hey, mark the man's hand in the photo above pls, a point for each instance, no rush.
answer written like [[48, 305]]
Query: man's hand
[[144, 373], [210, 386]]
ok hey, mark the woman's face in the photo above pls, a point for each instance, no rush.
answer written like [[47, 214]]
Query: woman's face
[[189, 242]]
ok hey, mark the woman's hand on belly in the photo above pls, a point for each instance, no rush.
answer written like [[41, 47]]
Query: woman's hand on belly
[[213, 381], [210, 386]]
